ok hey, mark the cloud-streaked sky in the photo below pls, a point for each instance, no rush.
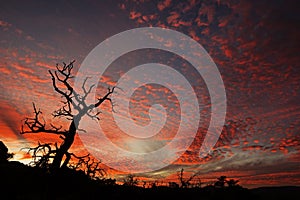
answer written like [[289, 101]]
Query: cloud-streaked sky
[[255, 45]]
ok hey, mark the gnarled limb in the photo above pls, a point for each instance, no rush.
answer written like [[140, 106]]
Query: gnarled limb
[[90, 166], [37, 124], [42, 155], [105, 97]]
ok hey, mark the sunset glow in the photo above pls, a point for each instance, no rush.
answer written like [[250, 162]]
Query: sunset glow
[[255, 46]]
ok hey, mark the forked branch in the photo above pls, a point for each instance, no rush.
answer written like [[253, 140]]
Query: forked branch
[[105, 97], [37, 124]]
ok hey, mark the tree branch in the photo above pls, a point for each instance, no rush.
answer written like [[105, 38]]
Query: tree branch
[[106, 97], [63, 75], [35, 125]]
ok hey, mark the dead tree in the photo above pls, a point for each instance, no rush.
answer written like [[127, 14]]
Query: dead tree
[[74, 108], [185, 182]]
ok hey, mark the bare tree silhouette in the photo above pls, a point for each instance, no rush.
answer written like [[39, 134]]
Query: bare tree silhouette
[[185, 182], [74, 108]]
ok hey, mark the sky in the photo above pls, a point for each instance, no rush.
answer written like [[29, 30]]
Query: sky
[[254, 45]]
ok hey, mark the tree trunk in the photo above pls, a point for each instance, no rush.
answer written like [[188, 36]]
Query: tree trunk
[[65, 146]]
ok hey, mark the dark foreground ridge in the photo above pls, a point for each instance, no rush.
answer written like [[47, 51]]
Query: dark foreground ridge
[[19, 181]]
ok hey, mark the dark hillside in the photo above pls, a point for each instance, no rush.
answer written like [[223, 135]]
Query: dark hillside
[[19, 181]]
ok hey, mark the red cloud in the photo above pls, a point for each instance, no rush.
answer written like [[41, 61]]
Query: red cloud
[[163, 5]]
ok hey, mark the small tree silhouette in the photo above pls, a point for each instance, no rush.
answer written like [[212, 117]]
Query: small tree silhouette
[[222, 181], [173, 185], [130, 180], [72, 101], [185, 182], [232, 183]]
